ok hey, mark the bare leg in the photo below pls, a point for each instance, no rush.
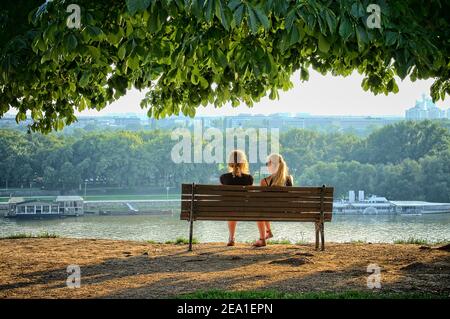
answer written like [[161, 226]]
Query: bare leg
[[262, 229], [262, 235], [231, 230], [268, 230]]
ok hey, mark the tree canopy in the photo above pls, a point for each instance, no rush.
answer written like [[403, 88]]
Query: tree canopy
[[188, 53]]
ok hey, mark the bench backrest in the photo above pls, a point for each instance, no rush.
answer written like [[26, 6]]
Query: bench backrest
[[253, 203]]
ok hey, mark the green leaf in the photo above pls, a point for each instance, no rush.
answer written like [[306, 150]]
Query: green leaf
[[197, 7], [92, 32], [331, 21], [221, 15], [361, 36], [59, 124], [262, 18], [390, 85], [253, 21], [210, 5], [391, 38], [294, 36], [130, 29], [194, 78], [122, 51], [324, 44], [290, 18], [304, 74], [395, 88], [220, 57], [358, 10], [345, 28], [233, 4], [134, 6], [133, 62], [70, 43], [154, 22], [203, 83], [94, 52], [238, 15], [84, 81], [39, 44]]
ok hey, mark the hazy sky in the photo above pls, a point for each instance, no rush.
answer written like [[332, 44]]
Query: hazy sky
[[321, 95]]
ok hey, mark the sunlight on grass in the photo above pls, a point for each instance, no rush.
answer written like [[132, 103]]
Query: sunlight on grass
[[273, 294], [30, 235], [419, 241]]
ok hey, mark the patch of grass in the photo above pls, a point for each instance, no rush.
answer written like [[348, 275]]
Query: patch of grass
[[29, 235], [132, 197], [359, 241], [279, 242], [419, 241], [273, 294], [181, 241], [152, 242]]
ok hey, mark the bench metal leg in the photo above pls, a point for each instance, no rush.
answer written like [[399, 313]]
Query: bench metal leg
[[322, 235], [191, 229], [317, 227]]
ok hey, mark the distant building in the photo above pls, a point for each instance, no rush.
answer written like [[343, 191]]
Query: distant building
[[360, 196], [424, 109], [351, 196], [126, 121], [61, 206]]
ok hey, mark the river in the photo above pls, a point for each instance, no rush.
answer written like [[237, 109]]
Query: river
[[343, 228]]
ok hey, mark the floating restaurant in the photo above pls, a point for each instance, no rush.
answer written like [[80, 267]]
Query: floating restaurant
[[376, 205], [62, 206]]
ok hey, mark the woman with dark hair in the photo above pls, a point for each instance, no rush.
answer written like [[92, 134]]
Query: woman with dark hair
[[238, 174]]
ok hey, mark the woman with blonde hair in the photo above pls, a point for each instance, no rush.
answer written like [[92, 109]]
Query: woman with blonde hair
[[279, 176], [238, 174]]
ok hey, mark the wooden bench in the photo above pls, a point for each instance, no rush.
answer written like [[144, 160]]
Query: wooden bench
[[257, 203]]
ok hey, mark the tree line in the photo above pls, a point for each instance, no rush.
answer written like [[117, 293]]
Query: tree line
[[405, 161]]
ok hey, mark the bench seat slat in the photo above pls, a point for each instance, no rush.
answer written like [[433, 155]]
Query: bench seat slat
[[257, 197], [200, 188], [254, 209], [261, 193], [230, 206], [254, 216], [254, 203], [243, 190]]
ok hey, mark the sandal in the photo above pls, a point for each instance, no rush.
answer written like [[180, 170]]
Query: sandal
[[230, 242], [269, 234], [259, 243]]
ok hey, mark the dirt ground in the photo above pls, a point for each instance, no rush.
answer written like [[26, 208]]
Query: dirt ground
[[37, 268]]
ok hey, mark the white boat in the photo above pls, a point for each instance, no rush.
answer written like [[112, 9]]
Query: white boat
[[380, 205]]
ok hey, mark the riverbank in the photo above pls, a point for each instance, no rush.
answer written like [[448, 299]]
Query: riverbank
[[37, 268]]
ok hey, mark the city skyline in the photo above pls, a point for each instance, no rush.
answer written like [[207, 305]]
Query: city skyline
[[346, 97]]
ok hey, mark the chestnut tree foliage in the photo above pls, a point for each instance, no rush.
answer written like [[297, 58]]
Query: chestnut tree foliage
[[188, 53]]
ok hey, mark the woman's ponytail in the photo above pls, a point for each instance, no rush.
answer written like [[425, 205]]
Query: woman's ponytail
[[280, 177]]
